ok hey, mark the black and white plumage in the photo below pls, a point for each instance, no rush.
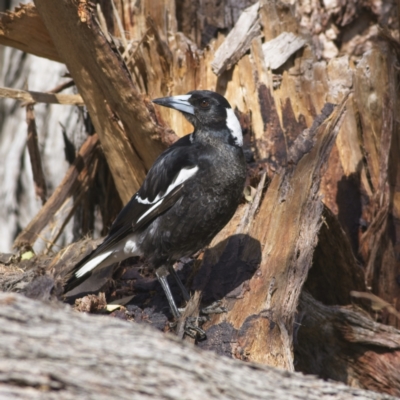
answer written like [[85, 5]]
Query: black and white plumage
[[188, 196]]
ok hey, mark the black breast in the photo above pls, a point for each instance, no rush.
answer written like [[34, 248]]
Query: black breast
[[208, 202]]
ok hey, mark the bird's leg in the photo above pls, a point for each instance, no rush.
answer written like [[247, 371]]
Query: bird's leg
[[190, 325], [184, 291], [162, 274]]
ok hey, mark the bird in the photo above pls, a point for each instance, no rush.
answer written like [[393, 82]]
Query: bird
[[189, 194]]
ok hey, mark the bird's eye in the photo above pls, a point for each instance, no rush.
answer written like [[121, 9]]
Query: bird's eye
[[204, 104]]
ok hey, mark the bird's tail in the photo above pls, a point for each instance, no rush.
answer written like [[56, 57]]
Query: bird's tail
[[97, 262], [84, 269]]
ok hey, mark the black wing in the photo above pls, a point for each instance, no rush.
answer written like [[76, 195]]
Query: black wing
[[158, 193]]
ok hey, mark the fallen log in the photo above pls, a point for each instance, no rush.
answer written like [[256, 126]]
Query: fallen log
[[48, 351]]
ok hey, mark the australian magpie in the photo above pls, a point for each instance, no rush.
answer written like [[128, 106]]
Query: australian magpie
[[187, 197]]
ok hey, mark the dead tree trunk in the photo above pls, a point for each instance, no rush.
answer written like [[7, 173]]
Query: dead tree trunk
[[319, 116]]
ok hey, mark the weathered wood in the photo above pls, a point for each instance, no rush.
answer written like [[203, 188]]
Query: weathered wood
[[335, 271], [38, 97], [200, 20], [76, 173], [85, 180], [42, 277], [277, 51], [357, 350], [129, 136], [261, 316], [377, 303], [238, 40], [378, 108], [360, 186], [59, 88], [24, 29], [34, 154], [50, 352]]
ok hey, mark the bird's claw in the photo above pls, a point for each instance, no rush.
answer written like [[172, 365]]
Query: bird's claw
[[193, 329], [173, 324], [192, 325]]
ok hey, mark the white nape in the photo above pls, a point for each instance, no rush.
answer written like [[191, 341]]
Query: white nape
[[92, 264], [184, 175], [234, 126]]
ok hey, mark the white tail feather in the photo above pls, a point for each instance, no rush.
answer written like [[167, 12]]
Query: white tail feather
[[120, 251], [92, 264]]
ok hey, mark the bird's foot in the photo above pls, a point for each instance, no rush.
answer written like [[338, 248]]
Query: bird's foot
[[214, 308], [193, 329], [191, 326]]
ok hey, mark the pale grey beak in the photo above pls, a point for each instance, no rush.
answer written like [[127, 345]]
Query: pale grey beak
[[180, 103]]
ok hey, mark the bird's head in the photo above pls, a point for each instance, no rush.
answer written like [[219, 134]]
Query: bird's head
[[206, 110]]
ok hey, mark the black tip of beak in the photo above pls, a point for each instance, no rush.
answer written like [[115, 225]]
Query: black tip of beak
[[160, 101]]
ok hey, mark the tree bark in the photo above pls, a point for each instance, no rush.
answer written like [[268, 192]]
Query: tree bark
[[129, 136], [328, 220], [262, 318], [23, 29], [49, 352], [357, 350]]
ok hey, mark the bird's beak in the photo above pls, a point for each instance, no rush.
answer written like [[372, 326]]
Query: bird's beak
[[180, 103]]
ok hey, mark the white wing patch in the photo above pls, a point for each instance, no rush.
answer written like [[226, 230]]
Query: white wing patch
[[234, 126], [184, 175], [151, 209], [92, 264], [120, 251], [130, 246]]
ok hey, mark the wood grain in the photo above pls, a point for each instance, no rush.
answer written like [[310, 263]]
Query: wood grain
[[50, 352]]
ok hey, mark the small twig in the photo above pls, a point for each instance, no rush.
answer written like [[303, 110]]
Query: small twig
[[376, 302], [119, 23], [102, 22], [52, 242], [34, 154], [59, 88], [131, 56], [40, 97], [128, 49], [64, 190], [83, 190]]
